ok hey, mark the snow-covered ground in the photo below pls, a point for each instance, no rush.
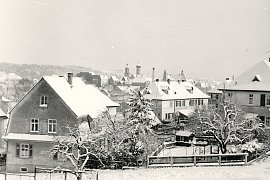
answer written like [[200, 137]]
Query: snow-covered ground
[[257, 171], [182, 150]]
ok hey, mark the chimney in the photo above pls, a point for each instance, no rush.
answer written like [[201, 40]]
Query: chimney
[[269, 59], [157, 80], [168, 81], [153, 75], [164, 75], [70, 78]]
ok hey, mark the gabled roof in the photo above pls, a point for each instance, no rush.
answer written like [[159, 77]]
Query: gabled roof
[[173, 90], [184, 133], [257, 78], [82, 99]]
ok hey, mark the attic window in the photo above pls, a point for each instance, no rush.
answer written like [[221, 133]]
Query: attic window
[[165, 91], [257, 78], [190, 90], [43, 101]]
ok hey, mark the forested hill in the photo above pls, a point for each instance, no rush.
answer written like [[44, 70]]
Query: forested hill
[[35, 71]]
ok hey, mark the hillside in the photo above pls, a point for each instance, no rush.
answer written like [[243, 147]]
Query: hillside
[[35, 71]]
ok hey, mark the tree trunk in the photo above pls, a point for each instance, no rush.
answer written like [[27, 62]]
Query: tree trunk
[[79, 176], [223, 148]]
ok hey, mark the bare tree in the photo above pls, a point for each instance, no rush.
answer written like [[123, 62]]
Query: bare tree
[[77, 146], [227, 124]]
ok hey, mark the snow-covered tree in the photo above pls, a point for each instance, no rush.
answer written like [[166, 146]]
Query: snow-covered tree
[[77, 146], [227, 124], [140, 119]]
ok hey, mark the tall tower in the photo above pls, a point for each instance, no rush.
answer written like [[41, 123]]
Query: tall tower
[[138, 70], [182, 77], [126, 71]]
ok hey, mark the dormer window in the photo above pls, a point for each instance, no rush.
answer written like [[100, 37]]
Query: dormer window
[[43, 101], [257, 78]]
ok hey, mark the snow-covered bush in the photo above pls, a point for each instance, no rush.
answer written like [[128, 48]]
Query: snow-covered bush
[[252, 146]]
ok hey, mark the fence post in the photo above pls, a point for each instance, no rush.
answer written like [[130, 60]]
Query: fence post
[[5, 176], [219, 159], [246, 158], [35, 175], [195, 160], [171, 161], [147, 163]]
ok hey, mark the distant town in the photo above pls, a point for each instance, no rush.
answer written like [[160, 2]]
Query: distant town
[[76, 120]]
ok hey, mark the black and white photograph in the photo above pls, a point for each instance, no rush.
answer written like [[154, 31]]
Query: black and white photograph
[[134, 90]]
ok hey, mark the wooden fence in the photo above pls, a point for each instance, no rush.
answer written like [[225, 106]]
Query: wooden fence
[[193, 160]]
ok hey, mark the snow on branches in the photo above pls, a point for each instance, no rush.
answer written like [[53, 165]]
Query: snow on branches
[[227, 124]]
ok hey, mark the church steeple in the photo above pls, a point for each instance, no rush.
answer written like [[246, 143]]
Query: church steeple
[[182, 77], [126, 74]]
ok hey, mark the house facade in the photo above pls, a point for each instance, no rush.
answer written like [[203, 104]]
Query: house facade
[[252, 91], [45, 112], [3, 118], [175, 100]]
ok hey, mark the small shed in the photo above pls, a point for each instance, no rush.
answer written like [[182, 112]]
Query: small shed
[[184, 138]]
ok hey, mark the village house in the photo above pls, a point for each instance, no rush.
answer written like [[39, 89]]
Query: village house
[[3, 118], [251, 90], [94, 79], [175, 100], [54, 103]]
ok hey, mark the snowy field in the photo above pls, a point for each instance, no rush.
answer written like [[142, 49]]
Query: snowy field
[[257, 171]]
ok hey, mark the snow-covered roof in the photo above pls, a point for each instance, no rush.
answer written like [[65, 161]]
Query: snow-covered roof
[[5, 99], [186, 112], [29, 137], [257, 78], [141, 79], [114, 78], [184, 133], [174, 90], [81, 98], [2, 114]]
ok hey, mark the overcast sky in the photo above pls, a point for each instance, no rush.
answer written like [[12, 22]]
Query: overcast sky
[[207, 39]]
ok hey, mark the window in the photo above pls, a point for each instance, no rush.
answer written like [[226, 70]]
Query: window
[[34, 125], [55, 156], [267, 122], [43, 101], [23, 169], [178, 103], [171, 103], [200, 101], [52, 125], [268, 100], [24, 150], [191, 102], [183, 103], [168, 115], [250, 99]]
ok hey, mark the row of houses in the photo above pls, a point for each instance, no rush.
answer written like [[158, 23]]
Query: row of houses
[[57, 101]]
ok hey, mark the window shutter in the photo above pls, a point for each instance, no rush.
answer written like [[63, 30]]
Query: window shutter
[[30, 150], [17, 149]]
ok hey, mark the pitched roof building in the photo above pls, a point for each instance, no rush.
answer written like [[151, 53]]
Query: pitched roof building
[[174, 100], [252, 90], [45, 111]]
